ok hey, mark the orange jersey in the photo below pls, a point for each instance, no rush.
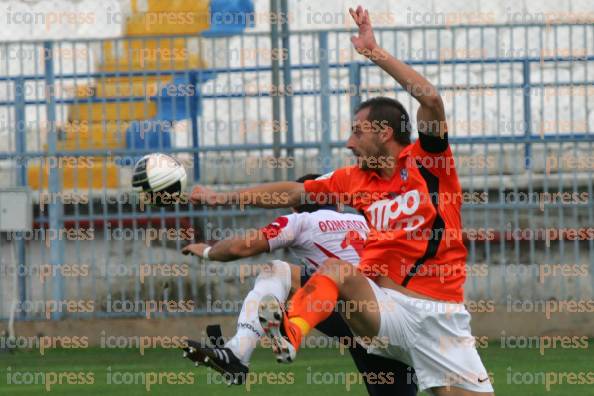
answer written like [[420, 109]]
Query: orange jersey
[[414, 218]]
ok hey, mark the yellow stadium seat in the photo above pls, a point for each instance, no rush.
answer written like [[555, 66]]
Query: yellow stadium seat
[[109, 130], [152, 54], [98, 112], [168, 17], [80, 172], [178, 5], [125, 89]]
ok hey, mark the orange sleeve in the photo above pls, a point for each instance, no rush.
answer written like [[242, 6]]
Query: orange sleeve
[[331, 184]]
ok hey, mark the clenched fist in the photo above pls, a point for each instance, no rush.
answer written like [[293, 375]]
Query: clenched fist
[[196, 249]]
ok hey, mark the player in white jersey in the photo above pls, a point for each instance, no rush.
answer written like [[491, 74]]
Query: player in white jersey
[[313, 234], [314, 237]]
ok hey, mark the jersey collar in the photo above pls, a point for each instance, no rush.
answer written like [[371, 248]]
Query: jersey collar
[[401, 163]]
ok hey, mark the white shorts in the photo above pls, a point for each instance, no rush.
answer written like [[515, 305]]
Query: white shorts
[[431, 336]]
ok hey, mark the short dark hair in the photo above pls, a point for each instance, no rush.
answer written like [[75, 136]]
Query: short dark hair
[[392, 112], [311, 207]]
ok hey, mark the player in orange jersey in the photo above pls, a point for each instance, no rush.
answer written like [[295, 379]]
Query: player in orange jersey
[[406, 298]]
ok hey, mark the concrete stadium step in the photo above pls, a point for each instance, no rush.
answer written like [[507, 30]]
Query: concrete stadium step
[[99, 112], [77, 172]]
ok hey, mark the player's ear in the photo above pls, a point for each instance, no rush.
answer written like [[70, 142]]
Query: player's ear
[[386, 134]]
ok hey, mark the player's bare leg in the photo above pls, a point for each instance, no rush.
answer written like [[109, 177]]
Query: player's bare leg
[[455, 391], [358, 303]]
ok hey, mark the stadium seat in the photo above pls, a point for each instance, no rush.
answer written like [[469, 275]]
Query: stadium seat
[[123, 110]]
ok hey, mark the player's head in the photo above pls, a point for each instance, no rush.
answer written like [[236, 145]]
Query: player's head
[[311, 207], [380, 125]]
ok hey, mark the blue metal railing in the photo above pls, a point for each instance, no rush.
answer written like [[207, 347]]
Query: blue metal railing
[[327, 100]]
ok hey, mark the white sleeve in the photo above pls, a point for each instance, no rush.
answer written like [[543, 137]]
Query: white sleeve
[[283, 231]]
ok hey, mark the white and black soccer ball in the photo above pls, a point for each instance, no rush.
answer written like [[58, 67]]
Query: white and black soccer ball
[[159, 175]]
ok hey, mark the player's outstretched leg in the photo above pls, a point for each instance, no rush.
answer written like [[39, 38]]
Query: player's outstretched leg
[[232, 359], [274, 279], [314, 303]]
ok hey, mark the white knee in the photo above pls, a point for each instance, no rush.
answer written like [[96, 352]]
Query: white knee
[[278, 270]]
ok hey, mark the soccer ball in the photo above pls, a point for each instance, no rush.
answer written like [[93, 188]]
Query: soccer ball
[[160, 177]]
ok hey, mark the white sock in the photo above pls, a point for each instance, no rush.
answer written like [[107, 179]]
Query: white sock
[[273, 279]]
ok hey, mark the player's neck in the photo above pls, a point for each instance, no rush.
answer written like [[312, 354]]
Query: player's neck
[[386, 172]]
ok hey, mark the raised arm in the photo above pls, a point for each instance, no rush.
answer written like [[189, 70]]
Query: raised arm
[[269, 195], [431, 114]]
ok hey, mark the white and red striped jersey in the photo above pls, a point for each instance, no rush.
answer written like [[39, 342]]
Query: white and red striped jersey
[[315, 237]]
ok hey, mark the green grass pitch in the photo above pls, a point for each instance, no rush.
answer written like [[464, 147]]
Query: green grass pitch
[[515, 372]]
